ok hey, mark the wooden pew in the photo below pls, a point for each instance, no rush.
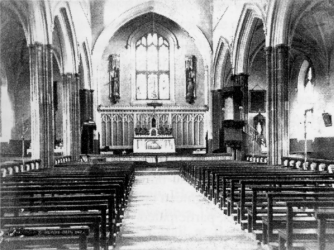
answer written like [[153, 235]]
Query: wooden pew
[[16, 210], [289, 181], [323, 215], [68, 186], [64, 221], [290, 234], [238, 184], [194, 172], [70, 178], [269, 222], [213, 174], [81, 200], [221, 183], [252, 212]]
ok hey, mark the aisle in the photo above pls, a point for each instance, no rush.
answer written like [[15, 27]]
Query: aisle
[[165, 212]]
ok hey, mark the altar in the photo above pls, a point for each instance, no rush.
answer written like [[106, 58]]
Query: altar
[[154, 145], [154, 140]]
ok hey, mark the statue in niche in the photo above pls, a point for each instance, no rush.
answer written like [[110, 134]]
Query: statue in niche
[[114, 79], [259, 122], [190, 79]]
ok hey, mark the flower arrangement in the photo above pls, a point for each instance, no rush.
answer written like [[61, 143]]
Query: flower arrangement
[[165, 130], [141, 131]]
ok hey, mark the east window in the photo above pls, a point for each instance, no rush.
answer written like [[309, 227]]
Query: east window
[[152, 68]]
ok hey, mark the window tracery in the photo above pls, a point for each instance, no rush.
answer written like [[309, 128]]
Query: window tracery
[[152, 68]]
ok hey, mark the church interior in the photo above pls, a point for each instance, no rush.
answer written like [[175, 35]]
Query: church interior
[[151, 124]]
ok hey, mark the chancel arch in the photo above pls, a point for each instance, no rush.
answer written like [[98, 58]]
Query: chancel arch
[[162, 9], [120, 114]]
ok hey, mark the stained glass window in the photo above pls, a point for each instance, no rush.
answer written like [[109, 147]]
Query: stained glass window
[[152, 68]]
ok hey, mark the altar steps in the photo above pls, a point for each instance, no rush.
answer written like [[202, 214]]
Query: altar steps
[[165, 168], [157, 158], [157, 171]]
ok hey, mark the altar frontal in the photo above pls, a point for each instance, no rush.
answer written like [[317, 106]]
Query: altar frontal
[[153, 140]]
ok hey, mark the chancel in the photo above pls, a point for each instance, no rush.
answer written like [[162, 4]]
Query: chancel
[[113, 113]]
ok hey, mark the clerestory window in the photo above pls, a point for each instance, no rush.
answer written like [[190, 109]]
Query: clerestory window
[[152, 68]]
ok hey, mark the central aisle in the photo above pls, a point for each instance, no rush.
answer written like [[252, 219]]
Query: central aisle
[[165, 212]]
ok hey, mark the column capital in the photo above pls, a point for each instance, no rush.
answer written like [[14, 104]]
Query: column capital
[[242, 76], [50, 47], [38, 45], [268, 49], [35, 45], [239, 79], [282, 48]]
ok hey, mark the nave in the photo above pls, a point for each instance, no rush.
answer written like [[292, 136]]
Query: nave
[[165, 212], [137, 205]]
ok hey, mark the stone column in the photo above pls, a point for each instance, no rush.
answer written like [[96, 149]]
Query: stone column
[[42, 112], [67, 129], [34, 55], [270, 106], [277, 79], [71, 115], [209, 124], [208, 103], [282, 55], [217, 120], [49, 104], [76, 117]]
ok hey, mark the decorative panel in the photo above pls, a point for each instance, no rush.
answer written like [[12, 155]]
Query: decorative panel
[[118, 126], [117, 130]]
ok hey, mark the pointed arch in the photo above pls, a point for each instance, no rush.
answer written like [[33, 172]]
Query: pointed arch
[[68, 51], [244, 32], [221, 59], [20, 10], [38, 28], [159, 8], [86, 60], [278, 19]]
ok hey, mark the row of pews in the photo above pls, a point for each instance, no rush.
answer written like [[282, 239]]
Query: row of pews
[[282, 206], [78, 205]]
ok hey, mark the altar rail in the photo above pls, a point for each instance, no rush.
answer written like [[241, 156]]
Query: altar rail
[[257, 158], [62, 159], [9, 168], [118, 125], [311, 164]]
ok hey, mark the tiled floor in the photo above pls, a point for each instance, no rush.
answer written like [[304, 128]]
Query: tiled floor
[[166, 213]]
